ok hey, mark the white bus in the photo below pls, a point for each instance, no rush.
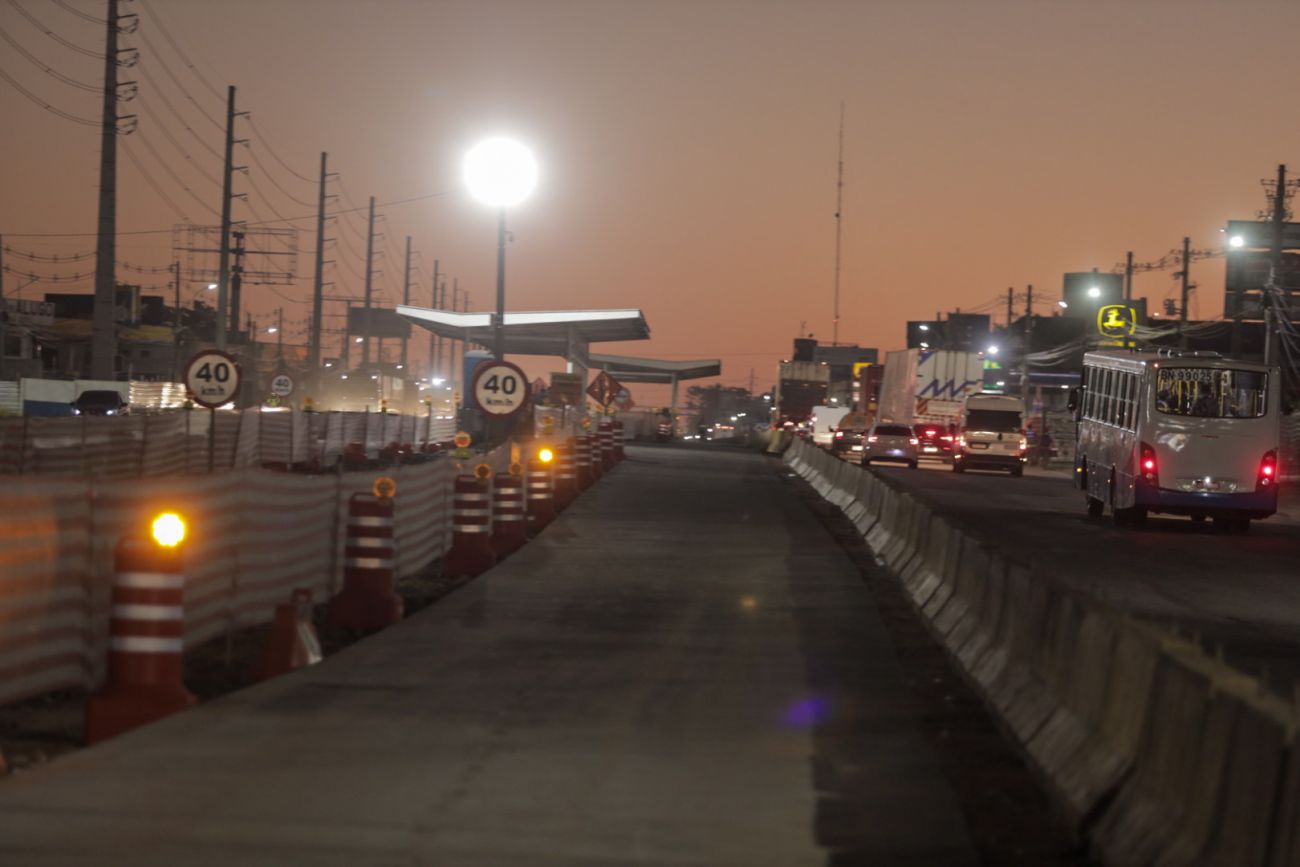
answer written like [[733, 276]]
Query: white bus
[[1188, 433]]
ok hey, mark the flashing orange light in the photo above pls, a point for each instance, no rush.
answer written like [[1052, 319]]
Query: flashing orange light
[[168, 529], [545, 455]]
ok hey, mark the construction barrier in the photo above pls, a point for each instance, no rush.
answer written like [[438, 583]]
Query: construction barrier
[[369, 597], [620, 441], [471, 528], [586, 472], [147, 640], [541, 493], [1154, 751], [509, 515], [292, 643], [566, 475], [604, 455]]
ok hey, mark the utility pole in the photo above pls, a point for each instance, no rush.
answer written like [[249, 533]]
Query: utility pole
[[279, 333], [103, 349], [223, 266], [1128, 278], [1011, 300], [1185, 287], [1275, 264], [176, 320], [237, 282], [318, 285], [1028, 345], [370, 253], [406, 295], [435, 342], [4, 309], [839, 210]]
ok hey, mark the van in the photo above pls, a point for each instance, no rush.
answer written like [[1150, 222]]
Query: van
[[991, 434]]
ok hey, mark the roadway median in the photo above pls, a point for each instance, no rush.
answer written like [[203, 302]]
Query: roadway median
[[1153, 750]]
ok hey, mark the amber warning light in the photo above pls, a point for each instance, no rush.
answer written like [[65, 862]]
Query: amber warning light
[[546, 456], [168, 529]]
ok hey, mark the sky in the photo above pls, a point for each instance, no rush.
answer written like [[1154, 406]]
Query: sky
[[688, 150]]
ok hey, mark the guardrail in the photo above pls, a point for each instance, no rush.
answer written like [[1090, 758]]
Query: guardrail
[[1155, 751], [199, 441]]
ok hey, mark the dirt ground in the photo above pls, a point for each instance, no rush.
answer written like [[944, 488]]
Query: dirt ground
[[42, 729]]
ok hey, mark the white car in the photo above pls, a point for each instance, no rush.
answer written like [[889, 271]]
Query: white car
[[890, 442]]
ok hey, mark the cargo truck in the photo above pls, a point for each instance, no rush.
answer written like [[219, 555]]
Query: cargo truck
[[924, 386], [800, 386]]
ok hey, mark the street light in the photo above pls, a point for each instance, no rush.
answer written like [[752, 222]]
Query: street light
[[1094, 292], [993, 349], [1236, 241], [501, 173]]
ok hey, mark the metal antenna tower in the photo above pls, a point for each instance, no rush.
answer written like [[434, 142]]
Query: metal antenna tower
[[839, 230]]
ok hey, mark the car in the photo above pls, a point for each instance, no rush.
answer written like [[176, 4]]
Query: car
[[890, 442], [934, 440], [850, 434], [100, 402]]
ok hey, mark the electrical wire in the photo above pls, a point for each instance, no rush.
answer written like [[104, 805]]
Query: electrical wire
[[263, 139], [50, 33], [54, 260], [84, 121], [177, 178], [258, 162], [162, 96], [157, 55], [77, 12], [41, 65], [156, 188], [162, 28]]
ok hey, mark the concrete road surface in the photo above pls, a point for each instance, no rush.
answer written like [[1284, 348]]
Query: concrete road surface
[[683, 670]]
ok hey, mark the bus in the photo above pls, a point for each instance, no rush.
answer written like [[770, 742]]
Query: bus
[[1177, 433]]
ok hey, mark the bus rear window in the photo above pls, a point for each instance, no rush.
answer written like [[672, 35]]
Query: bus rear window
[[1206, 392]]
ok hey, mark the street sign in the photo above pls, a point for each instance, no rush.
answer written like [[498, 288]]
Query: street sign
[[212, 378], [623, 400], [500, 388], [604, 389], [566, 389], [282, 385]]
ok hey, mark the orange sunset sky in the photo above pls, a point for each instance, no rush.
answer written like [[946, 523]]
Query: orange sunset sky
[[688, 149]]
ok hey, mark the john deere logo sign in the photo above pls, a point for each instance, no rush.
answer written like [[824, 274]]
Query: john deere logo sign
[[1116, 321]]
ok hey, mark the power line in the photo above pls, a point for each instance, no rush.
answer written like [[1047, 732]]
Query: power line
[[177, 178], [41, 65], [37, 257], [153, 183], [258, 162], [50, 33], [184, 153], [157, 55], [84, 121], [82, 15], [144, 72], [176, 47], [262, 138]]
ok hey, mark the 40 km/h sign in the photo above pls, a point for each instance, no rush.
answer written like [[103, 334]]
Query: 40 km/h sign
[[212, 378], [500, 388]]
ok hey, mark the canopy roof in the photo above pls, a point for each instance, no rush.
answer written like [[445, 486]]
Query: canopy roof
[[541, 332], [627, 369]]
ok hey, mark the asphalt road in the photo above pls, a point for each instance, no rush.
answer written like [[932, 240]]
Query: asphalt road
[[685, 669], [1241, 592]]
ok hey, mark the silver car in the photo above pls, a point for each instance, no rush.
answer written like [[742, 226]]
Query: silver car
[[890, 442]]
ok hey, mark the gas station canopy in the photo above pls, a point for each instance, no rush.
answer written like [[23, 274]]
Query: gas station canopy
[[626, 369], [566, 333]]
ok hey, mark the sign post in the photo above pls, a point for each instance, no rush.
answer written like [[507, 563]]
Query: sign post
[[212, 378]]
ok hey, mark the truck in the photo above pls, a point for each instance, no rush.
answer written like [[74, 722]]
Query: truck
[[825, 421], [800, 386], [927, 386]]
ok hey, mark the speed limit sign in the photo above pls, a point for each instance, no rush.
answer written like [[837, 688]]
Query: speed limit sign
[[282, 385], [212, 378], [500, 388]]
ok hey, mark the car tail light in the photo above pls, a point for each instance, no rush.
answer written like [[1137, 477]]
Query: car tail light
[[931, 433], [839, 434], [1148, 466], [946, 438], [914, 441], [1267, 471], [872, 438]]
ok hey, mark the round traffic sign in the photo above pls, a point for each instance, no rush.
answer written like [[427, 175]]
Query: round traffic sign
[[500, 388], [212, 378], [282, 385]]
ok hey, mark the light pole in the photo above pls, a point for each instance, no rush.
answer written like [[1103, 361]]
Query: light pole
[[501, 173]]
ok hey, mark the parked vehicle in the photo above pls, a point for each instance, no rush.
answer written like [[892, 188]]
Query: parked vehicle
[[850, 433], [890, 442], [1188, 433], [825, 419], [100, 402], [991, 435]]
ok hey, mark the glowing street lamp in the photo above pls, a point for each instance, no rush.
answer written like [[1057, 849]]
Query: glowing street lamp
[[501, 173]]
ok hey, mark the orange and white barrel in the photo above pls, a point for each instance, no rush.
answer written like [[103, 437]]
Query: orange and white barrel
[[509, 515], [146, 641], [605, 443], [541, 494], [369, 597], [566, 475], [582, 459], [471, 550], [620, 440]]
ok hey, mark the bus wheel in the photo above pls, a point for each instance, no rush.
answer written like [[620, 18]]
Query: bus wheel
[[1095, 507]]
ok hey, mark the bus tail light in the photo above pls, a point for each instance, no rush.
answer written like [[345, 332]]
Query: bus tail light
[[1147, 465], [1267, 471]]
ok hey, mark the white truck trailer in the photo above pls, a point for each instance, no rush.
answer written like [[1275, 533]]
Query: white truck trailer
[[925, 386]]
